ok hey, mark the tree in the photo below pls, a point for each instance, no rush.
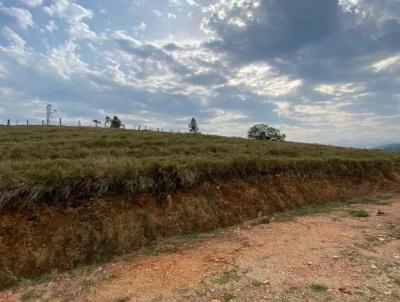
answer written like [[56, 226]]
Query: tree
[[115, 122], [193, 128], [96, 123], [49, 113], [265, 132], [107, 121]]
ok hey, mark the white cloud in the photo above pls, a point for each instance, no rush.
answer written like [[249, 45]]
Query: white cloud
[[191, 3], [16, 48], [65, 61], [339, 89], [157, 13], [171, 16], [181, 2], [13, 37], [68, 10], [32, 3], [387, 63], [21, 15], [3, 70], [72, 13], [80, 30], [260, 79], [51, 26], [8, 93], [141, 27]]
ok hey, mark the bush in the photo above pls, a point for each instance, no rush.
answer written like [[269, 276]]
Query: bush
[[116, 122], [265, 132]]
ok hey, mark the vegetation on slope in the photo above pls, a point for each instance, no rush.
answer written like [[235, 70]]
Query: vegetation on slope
[[64, 163]]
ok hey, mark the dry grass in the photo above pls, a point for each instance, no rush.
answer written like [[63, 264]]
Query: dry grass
[[65, 163]]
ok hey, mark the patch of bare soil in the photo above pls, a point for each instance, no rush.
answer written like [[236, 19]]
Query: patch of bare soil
[[321, 257]]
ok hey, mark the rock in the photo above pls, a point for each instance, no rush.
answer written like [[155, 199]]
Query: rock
[[335, 257], [215, 300], [345, 290], [265, 220], [169, 202], [380, 213]]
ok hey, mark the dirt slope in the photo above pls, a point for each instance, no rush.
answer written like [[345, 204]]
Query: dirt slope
[[323, 257]]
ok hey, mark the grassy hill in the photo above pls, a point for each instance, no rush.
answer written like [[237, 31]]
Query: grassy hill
[[390, 148], [63, 163]]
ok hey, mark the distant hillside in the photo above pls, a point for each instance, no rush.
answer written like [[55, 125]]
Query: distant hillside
[[390, 148]]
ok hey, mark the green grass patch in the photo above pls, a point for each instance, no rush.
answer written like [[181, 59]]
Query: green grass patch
[[319, 287], [63, 163], [256, 283], [358, 213], [226, 277], [228, 297], [29, 295]]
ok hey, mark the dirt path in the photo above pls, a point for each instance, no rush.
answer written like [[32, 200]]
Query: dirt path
[[322, 257]]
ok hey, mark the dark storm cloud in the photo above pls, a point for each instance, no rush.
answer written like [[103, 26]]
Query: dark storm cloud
[[311, 38], [148, 51], [320, 42], [278, 28]]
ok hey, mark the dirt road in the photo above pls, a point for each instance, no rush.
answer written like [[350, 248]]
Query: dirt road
[[322, 257]]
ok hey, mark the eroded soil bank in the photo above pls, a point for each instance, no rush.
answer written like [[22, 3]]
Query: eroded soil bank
[[42, 239], [324, 257]]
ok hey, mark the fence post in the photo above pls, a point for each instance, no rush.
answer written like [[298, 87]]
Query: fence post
[[27, 122], [79, 123], [42, 122], [8, 122], [139, 127], [60, 122]]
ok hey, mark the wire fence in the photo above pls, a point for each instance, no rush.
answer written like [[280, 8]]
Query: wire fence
[[93, 124]]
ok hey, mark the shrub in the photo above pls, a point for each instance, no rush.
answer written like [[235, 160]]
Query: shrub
[[265, 132]]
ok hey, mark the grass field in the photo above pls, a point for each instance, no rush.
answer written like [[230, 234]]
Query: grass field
[[60, 163]]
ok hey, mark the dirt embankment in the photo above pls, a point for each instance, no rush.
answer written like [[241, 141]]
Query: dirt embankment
[[326, 257], [41, 239]]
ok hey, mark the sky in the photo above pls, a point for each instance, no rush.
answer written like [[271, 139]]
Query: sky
[[322, 71]]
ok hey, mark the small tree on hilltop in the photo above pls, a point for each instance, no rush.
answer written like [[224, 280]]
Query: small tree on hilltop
[[96, 123], [193, 128], [116, 122], [49, 113], [107, 121], [265, 132]]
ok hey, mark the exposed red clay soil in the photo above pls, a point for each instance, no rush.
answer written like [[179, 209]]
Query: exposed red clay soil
[[42, 238], [321, 257]]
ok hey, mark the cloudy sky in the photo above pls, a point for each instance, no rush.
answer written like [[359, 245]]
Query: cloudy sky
[[324, 71]]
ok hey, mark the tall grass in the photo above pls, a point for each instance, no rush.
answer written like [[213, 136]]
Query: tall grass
[[64, 163]]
